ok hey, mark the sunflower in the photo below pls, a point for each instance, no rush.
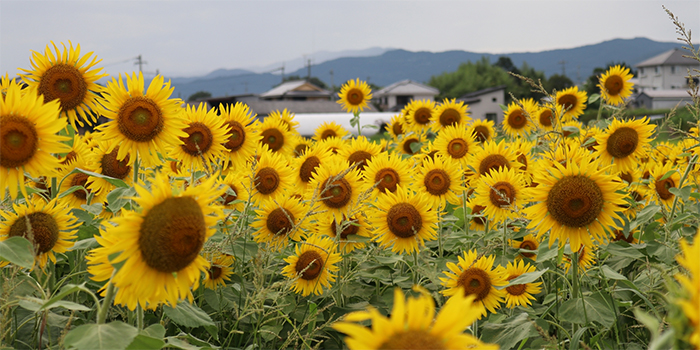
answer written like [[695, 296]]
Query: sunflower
[[28, 135], [386, 171], [660, 183], [313, 265], [477, 220], [623, 142], [455, 142], [474, 275], [615, 85], [572, 101], [359, 151], [328, 130], [271, 176], [219, 271], [68, 178], [407, 144], [242, 134], [483, 130], [518, 118], [276, 136], [78, 150], [586, 258], [413, 325], [529, 242], [523, 149], [306, 164], [160, 244], [50, 227], [335, 188], [501, 192], [420, 115], [439, 180], [334, 144], [69, 79], [142, 124], [396, 126], [236, 195], [403, 221], [575, 203], [637, 192], [589, 137], [354, 95], [301, 144], [450, 113], [520, 294], [203, 146], [690, 283], [547, 117], [349, 230], [287, 119], [106, 163], [491, 156], [279, 221]]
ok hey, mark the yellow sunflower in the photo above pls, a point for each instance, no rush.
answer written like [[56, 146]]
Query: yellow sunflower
[[328, 130], [409, 141], [306, 164], [547, 117], [586, 258], [79, 150], [660, 183], [455, 142], [335, 187], [518, 118], [301, 144], [203, 146], [413, 325], [420, 115], [483, 130], [491, 156], [236, 194], [396, 126], [477, 220], [690, 283], [624, 142], [219, 271], [520, 294], [354, 95], [359, 151], [69, 79], [279, 221], [589, 137], [439, 180], [349, 229], [502, 193], [334, 144], [615, 85], [529, 242], [287, 119], [28, 136], [313, 265], [450, 113], [386, 171], [572, 101], [143, 124], [106, 163], [77, 198], [276, 136], [271, 176], [50, 227], [475, 275], [160, 244], [576, 203], [242, 135], [403, 221]]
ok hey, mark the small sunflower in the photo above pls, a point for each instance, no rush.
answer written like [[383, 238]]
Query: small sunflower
[[50, 227], [455, 142], [28, 136], [660, 183], [483, 130], [69, 79], [450, 113], [313, 265], [301, 144], [586, 258], [306, 164], [396, 126], [502, 193], [79, 150], [690, 283], [624, 142], [348, 229], [491, 156], [386, 172], [287, 119], [334, 144], [359, 151], [275, 134], [589, 137], [81, 196], [518, 119], [474, 275], [403, 221], [219, 271], [270, 178], [279, 221], [529, 242], [203, 146], [420, 115], [547, 117], [413, 325], [335, 187], [440, 181], [354, 95], [328, 130], [407, 144], [520, 294], [106, 163], [572, 101], [242, 134], [615, 85], [477, 220], [236, 194]]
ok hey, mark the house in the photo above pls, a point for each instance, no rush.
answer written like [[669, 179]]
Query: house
[[662, 99], [662, 80], [486, 104], [297, 90], [395, 96]]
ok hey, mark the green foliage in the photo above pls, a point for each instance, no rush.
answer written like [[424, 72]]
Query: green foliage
[[198, 95]]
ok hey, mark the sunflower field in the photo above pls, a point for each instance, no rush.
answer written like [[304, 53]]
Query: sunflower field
[[188, 227]]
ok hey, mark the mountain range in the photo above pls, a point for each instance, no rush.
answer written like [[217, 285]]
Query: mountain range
[[391, 65]]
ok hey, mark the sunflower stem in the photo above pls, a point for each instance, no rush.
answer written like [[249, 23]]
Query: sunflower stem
[[107, 302], [54, 188], [574, 282], [139, 317], [356, 119], [464, 213], [680, 185], [136, 168], [415, 266], [600, 109], [439, 232]]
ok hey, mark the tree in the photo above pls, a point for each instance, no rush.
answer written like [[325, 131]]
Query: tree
[[199, 95], [557, 82]]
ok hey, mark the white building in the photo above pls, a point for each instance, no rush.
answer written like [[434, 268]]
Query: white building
[[395, 96], [486, 104], [662, 81]]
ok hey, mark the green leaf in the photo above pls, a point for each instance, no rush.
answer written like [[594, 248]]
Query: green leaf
[[509, 332], [94, 209], [609, 273], [593, 98], [594, 306], [17, 250], [546, 252], [111, 180], [415, 147], [69, 289], [71, 190], [526, 278], [503, 107], [623, 249], [574, 130], [188, 315], [577, 338], [684, 192], [667, 175], [87, 243], [370, 126], [269, 332], [113, 335], [648, 321], [149, 338], [665, 341]]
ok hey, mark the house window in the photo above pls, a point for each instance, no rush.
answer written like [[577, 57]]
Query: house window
[[492, 117], [493, 99], [402, 100], [656, 69], [673, 69], [641, 71]]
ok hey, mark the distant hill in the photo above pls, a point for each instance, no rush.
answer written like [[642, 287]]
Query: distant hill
[[396, 65]]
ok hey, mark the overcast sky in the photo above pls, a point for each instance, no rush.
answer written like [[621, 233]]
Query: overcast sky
[[188, 38]]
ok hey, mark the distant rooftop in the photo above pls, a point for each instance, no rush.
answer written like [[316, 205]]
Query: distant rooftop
[[670, 57], [474, 94], [295, 88], [407, 87]]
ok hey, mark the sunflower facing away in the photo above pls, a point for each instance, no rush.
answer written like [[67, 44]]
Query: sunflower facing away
[[69, 79], [615, 85], [160, 244], [520, 294], [354, 95], [414, 325], [313, 265], [573, 102], [49, 226], [28, 136], [203, 147], [624, 142], [279, 221]]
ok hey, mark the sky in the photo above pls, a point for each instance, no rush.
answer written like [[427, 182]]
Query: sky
[[188, 38]]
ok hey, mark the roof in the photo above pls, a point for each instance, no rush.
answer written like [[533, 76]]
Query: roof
[[674, 93], [670, 57], [296, 87], [474, 94], [407, 87], [264, 107]]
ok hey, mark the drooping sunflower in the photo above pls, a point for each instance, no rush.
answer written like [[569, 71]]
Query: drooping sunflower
[[576, 203], [219, 271], [403, 221], [474, 275], [450, 113], [690, 283], [624, 142], [313, 265], [143, 123], [328, 130], [586, 258], [279, 220], [106, 163], [420, 115], [491, 156], [529, 242], [455, 142], [572, 101], [483, 130], [28, 135], [518, 118], [387, 171], [242, 134], [660, 183], [203, 146], [354, 95], [275, 134], [160, 244], [68, 78], [520, 294], [615, 85], [413, 325], [335, 187], [271, 176], [359, 151], [501, 192], [439, 180], [348, 229], [287, 118], [306, 164], [50, 227]]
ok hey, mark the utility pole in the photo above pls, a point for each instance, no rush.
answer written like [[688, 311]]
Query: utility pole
[[308, 75], [332, 85], [140, 62], [563, 67]]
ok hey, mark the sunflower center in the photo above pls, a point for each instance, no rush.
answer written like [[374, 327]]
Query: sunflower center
[[140, 119], [308, 167], [517, 289], [386, 180], [480, 220], [457, 148], [407, 145], [517, 119], [437, 182], [475, 282], [591, 146], [267, 180], [361, 158], [18, 141], [663, 186], [567, 101], [417, 339], [622, 142], [522, 159], [172, 234], [300, 149], [502, 194], [328, 133], [337, 194], [228, 198], [355, 97], [311, 263], [546, 118], [350, 228], [527, 245], [113, 167], [397, 128], [280, 221], [80, 179], [44, 230], [71, 156], [63, 82], [237, 136], [199, 141], [175, 166], [614, 85], [404, 220], [215, 272], [422, 115], [626, 177], [575, 201], [492, 162], [450, 117], [273, 138], [620, 236]]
